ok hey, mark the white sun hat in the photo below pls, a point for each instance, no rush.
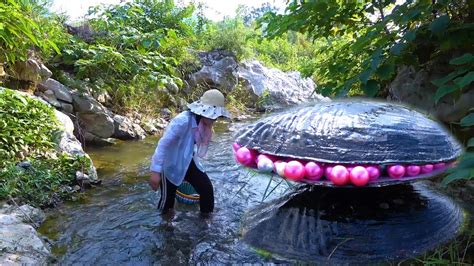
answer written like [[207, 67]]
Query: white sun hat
[[211, 105]]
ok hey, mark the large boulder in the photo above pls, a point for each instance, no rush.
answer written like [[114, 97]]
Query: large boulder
[[30, 70], [219, 71], [93, 117], [268, 87], [125, 129], [414, 87], [69, 144], [19, 241], [61, 92], [282, 88]]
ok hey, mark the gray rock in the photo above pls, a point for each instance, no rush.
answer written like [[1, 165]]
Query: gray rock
[[68, 143], [93, 116], [95, 140], [149, 126], [102, 97], [67, 108], [99, 124], [270, 88], [49, 97], [125, 129], [165, 112], [19, 241], [86, 104], [172, 87], [220, 74], [30, 70], [281, 88], [60, 91], [415, 88], [24, 164]]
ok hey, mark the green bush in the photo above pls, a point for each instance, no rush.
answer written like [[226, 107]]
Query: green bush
[[43, 183], [28, 127], [28, 132], [137, 50], [26, 25]]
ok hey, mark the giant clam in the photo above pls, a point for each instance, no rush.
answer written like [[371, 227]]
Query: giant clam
[[339, 143]]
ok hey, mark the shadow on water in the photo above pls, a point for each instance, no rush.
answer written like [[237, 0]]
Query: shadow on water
[[118, 222]]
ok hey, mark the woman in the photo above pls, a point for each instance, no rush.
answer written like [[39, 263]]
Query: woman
[[175, 159]]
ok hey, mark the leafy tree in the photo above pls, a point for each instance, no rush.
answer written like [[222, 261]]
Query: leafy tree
[[365, 40], [25, 25]]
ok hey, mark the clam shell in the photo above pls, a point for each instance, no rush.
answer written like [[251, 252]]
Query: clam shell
[[352, 131]]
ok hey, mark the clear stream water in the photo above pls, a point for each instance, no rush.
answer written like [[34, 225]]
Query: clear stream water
[[118, 222]]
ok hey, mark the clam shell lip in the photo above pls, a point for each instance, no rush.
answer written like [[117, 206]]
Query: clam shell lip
[[356, 131]]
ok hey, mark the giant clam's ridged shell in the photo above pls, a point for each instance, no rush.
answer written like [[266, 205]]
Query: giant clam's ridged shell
[[348, 226], [357, 131]]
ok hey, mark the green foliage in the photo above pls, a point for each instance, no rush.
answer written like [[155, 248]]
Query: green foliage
[[44, 182], [137, 49], [363, 41], [287, 52], [27, 127], [230, 35], [24, 26], [28, 131]]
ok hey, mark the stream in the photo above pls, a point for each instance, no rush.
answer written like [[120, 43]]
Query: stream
[[118, 222]]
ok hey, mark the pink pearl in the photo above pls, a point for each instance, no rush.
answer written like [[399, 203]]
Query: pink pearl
[[236, 147], [279, 168], [314, 171], [294, 170], [246, 156], [438, 166], [265, 165], [327, 171], [374, 172], [359, 176], [427, 168], [396, 171], [339, 175], [413, 170]]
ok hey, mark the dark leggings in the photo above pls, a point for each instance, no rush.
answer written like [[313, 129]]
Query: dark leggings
[[201, 183]]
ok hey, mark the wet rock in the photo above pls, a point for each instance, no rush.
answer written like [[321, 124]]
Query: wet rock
[[61, 92], [414, 87], [95, 140], [30, 70], [125, 129]]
